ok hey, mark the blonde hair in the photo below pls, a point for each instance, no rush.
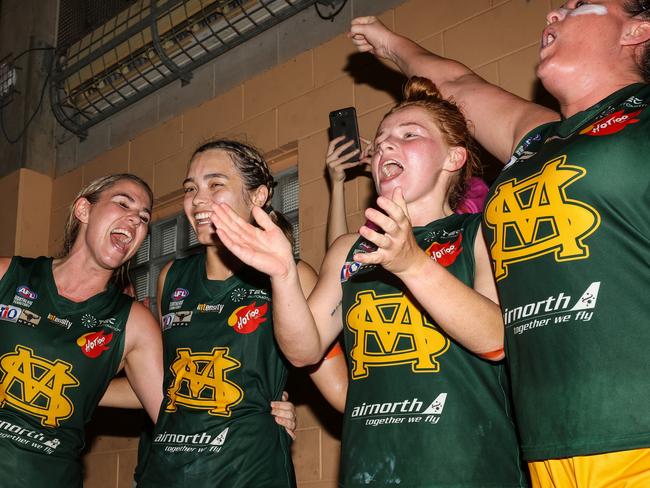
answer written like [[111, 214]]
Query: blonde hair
[[92, 192]]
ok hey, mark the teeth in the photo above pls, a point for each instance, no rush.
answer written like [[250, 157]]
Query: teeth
[[391, 168], [548, 40], [202, 216], [128, 236]]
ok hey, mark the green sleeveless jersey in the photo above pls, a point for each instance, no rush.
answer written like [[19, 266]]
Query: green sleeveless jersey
[[421, 410], [568, 227], [56, 360], [222, 370]]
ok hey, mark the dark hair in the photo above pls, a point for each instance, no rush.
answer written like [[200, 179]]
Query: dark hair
[[252, 167], [641, 8], [91, 192], [423, 93]]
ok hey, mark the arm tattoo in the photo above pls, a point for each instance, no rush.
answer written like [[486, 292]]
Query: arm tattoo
[[337, 307]]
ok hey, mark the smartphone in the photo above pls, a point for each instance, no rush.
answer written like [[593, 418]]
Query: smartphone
[[343, 122]]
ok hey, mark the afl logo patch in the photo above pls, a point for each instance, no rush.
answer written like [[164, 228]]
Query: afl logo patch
[[25, 292], [179, 294]]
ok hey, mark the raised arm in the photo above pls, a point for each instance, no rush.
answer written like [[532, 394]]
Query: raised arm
[[338, 160], [470, 315], [302, 339], [500, 118]]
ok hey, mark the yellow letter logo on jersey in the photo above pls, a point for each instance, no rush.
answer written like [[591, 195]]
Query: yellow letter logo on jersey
[[200, 382], [36, 386], [391, 330], [534, 217]]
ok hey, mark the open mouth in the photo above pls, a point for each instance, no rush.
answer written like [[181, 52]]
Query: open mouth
[[121, 238], [202, 218], [391, 169], [548, 38]]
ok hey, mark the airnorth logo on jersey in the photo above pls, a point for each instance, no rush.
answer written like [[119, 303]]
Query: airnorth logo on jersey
[[554, 310], [534, 217], [94, 344], [248, 318], [445, 254], [611, 124], [390, 330], [409, 411], [36, 386], [184, 443], [200, 382]]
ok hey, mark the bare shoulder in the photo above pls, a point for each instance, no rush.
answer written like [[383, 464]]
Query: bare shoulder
[[4, 266], [335, 258], [163, 273], [141, 322], [342, 245]]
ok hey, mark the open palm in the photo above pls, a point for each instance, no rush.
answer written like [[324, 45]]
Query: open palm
[[264, 248]]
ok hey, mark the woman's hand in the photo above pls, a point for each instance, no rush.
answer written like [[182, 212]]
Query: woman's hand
[[369, 35], [397, 250], [265, 249], [284, 413], [338, 158]]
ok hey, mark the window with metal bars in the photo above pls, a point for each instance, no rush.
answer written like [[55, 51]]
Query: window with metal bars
[[174, 238]]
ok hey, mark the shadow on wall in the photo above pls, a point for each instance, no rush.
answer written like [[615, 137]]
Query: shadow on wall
[[302, 391], [365, 69]]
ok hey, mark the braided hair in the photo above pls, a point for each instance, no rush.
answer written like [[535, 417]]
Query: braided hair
[[253, 169]]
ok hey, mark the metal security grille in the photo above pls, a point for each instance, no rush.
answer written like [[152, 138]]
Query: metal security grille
[[148, 45], [77, 18]]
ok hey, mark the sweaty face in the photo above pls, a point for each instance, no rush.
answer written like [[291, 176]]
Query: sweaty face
[[213, 178], [581, 37], [409, 152], [117, 223]]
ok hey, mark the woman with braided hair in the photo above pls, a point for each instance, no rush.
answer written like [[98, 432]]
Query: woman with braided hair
[[222, 364], [422, 410]]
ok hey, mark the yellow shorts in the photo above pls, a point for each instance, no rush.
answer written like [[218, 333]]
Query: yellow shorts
[[622, 469]]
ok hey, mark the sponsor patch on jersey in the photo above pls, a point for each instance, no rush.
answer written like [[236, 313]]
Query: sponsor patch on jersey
[[29, 318], [446, 253], [611, 124], [350, 268], [248, 318], [175, 319], [10, 313], [409, 410], [65, 323], [206, 308], [179, 294], [110, 323], [554, 310], [93, 344], [25, 292], [88, 321]]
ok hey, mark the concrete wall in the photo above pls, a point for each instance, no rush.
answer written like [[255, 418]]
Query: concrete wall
[[283, 110]]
